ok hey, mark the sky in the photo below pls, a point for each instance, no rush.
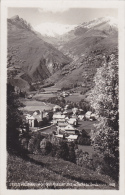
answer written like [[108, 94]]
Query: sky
[[53, 21], [70, 16]]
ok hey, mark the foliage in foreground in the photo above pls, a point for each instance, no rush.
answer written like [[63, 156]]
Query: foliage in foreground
[[44, 145], [49, 145], [104, 99], [14, 117], [45, 170]]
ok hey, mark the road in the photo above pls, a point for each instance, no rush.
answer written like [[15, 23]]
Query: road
[[49, 129]]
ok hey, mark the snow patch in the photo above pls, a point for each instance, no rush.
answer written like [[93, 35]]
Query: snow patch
[[110, 20], [53, 29]]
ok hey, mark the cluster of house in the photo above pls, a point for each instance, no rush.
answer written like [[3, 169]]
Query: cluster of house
[[39, 118], [65, 120]]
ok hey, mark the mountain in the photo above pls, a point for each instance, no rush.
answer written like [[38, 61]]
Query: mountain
[[52, 32], [86, 44], [99, 22], [97, 34], [30, 58], [53, 29], [71, 60]]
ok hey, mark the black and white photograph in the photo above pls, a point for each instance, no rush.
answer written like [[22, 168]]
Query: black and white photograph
[[62, 97]]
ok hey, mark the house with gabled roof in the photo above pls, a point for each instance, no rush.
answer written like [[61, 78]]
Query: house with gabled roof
[[70, 129], [72, 137], [73, 121], [58, 117], [30, 120], [61, 125], [38, 118], [56, 108]]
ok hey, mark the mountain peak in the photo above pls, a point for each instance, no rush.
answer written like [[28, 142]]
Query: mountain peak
[[112, 21], [97, 21], [108, 19], [16, 17], [20, 22]]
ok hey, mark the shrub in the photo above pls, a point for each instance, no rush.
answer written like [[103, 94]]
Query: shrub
[[24, 143], [62, 150], [103, 164], [72, 156], [83, 159], [110, 166], [54, 150], [84, 141], [97, 161], [66, 88], [34, 143], [32, 88], [45, 146]]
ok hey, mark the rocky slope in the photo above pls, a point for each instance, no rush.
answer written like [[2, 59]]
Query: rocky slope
[[30, 58], [101, 33], [86, 45]]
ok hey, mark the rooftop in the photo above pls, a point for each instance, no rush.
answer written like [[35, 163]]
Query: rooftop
[[58, 116], [63, 124], [56, 106], [70, 127], [72, 137]]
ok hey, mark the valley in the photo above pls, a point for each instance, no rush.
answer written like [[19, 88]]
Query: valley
[[62, 104], [34, 61]]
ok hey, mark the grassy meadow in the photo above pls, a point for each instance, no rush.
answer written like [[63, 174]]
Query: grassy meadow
[[46, 172]]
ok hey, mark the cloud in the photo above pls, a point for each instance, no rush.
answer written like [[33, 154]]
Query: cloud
[[53, 9]]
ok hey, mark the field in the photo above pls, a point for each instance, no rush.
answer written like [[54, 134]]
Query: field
[[52, 89], [88, 149], [75, 97], [46, 172], [87, 125], [32, 105], [42, 96]]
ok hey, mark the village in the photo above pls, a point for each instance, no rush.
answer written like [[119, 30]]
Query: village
[[60, 93], [62, 122]]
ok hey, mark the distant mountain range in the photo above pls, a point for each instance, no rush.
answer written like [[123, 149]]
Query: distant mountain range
[[57, 29], [86, 44], [98, 33], [53, 29], [66, 59]]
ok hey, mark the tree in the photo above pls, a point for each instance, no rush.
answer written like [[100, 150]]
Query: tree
[[14, 116], [45, 146], [71, 147], [104, 99], [62, 150]]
